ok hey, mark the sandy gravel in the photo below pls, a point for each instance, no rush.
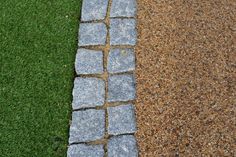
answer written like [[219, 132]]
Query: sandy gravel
[[186, 78]]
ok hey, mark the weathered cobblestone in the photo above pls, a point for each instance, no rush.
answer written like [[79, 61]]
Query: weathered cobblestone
[[88, 92], [121, 60], [94, 10], [89, 62], [121, 120], [121, 88], [123, 8], [88, 125], [123, 32], [83, 150], [122, 146], [92, 34]]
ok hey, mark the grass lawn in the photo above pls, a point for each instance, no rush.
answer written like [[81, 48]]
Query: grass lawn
[[38, 41]]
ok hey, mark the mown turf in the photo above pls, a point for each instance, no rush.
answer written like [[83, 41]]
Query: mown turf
[[38, 41]]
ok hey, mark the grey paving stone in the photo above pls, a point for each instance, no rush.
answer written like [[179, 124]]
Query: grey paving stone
[[123, 8], [121, 120], [88, 125], [89, 62], [94, 10], [123, 32], [121, 88], [88, 92], [92, 34], [83, 150], [121, 60], [122, 146]]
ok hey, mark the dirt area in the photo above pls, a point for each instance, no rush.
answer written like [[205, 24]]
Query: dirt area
[[186, 78]]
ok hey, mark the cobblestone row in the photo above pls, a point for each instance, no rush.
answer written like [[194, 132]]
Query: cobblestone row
[[99, 126]]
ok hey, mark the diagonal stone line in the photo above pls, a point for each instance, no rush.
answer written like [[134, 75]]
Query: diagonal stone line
[[103, 117]]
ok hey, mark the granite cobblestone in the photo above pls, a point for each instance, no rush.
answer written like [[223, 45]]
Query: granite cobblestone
[[121, 60], [83, 150], [94, 10], [88, 92], [121, 88], [92, 34], [123, 8], [89, 62], [122, 146], [123, 32], [89, 110], [86, 126], [121, 120]]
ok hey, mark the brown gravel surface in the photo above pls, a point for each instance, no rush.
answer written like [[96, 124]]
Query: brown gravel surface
[[186, 78]]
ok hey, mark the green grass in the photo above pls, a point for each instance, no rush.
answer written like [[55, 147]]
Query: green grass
[[38, 41]]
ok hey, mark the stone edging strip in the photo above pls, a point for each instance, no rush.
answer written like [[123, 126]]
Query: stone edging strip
[[103, 119]]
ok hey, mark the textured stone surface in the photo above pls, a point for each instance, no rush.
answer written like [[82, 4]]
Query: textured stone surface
[[186, 70], [92, 34], [88, 92], [88, 125], [123, 8], [94, 10], [89, 62], [123, 32], [122, 146], [121, 88], [121, 60], [121, 120], [83, 150]]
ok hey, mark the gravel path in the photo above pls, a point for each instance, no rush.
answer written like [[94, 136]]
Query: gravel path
[[103, 119], [186, 82]]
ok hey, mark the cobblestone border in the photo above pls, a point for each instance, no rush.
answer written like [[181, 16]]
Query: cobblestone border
[[103, 119]]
